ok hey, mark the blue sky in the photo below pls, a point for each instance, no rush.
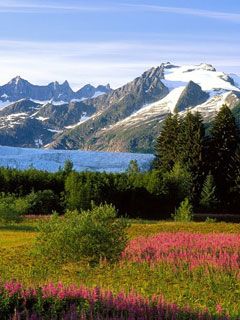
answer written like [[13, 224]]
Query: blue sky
[[114, 41]]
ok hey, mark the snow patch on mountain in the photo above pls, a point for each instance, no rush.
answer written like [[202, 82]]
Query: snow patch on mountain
[[82, 119], [97, 94], [204, 75], [210, 108], [152, 111], [42, 118]]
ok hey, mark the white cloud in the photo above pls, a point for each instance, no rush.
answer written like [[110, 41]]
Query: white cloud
[[18, 6], [52, 7], [25, 6], [229, 16], [102, 62]]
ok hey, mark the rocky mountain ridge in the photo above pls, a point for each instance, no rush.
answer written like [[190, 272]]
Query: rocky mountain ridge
[[128, 118], [18, 88]]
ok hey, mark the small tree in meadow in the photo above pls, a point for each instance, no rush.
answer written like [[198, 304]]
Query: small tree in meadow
[[91, 235], [184, 212]]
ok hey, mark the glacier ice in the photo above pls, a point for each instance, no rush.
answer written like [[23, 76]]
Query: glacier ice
[[52, 160]]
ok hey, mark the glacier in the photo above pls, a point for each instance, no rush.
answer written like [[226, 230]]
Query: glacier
[[53, 160]]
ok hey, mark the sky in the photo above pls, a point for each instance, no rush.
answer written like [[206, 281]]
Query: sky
[[102, 42]]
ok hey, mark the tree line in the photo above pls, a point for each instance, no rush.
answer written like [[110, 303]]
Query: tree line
[[210, 156], [193, 161]]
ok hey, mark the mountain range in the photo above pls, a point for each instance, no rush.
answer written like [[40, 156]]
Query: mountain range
[[18, 88], [128, 118]]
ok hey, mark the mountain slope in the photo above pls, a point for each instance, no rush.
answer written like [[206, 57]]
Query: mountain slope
[[119, 104], [128, 118], [132, 124]]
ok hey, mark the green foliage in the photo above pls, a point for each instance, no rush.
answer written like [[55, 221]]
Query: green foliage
[[208, 200], [178, 182], [83, 189], [184, 156], [191, 148], [12, 209], [224, 141], [68, 167], [166, 149], [133, 167], [184, 212], [43, 202], [93, 235], [154, 183]]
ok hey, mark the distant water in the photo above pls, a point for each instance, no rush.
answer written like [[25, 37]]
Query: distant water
[[52, 160]]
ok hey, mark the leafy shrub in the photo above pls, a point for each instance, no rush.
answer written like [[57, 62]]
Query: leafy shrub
[[91, 235], [43, 202], [184, 212], [12, 208]]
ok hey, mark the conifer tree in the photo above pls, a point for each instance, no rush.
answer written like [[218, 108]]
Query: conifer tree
[[185, 212], [133, 167], [224, 141], [166, 149], [191, 147], [208, 200]]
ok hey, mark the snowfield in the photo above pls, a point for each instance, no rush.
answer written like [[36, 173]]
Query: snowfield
[[52, 160], [204, 75]]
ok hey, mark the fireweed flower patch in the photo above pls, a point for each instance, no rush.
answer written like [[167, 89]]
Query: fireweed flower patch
[[59, 302], [175, 274], [213, 250]]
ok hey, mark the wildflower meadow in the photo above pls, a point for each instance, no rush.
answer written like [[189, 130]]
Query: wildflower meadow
[[168, 270]]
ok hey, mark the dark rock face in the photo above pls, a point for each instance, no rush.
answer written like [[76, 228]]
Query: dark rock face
[[191, 96], [19, 88]]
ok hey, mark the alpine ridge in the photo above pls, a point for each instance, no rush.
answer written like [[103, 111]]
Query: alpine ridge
[[18, 88], [126, 119]]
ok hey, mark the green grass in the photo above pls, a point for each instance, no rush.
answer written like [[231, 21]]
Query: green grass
[[184, 287]]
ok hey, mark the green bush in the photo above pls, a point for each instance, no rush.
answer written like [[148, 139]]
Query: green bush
[[91, 235], [184, 212], [12, 208], [43, 202]]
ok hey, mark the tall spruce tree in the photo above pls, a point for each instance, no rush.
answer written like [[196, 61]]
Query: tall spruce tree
[[191, 147], [224, 141], [166, 149]]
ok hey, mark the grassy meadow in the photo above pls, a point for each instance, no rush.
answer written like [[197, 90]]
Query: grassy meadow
[[199, 288]]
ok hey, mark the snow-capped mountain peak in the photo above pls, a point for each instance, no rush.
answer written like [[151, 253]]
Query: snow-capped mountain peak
[[205, 75]]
